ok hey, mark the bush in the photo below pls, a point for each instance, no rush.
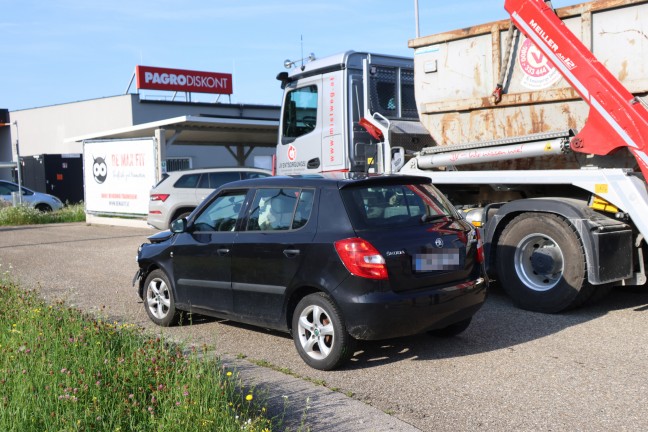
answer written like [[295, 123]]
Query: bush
[[25, 215]]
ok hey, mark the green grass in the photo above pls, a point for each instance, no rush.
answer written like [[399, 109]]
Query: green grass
[[23, 215], [61, 370]]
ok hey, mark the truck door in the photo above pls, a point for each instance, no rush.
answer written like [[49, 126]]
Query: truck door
[[299, 150], [312, 126]]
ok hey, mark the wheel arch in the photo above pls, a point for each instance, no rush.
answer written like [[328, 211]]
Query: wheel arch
[[295, 297], [43, 206], [589, 225], [145, 272], [180, 210]]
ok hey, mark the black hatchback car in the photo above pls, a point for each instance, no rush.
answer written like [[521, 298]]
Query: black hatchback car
[[331, 260]]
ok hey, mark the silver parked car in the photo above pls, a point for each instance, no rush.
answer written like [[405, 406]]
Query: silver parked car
[[38, 200], [180, 192]]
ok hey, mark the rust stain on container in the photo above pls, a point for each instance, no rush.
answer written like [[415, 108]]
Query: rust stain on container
[[623, 74], [537, 120]]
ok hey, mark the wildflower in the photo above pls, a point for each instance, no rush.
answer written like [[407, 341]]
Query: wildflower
[[229, 373], [249, 397]]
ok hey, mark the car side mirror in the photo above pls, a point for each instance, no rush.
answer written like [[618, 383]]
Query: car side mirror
[[179, 225]]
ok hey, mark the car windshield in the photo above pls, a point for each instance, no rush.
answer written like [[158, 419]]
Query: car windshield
[[395, 205]]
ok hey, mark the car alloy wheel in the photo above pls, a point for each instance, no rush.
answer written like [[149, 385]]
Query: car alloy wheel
[[159, 301], [319, 333]]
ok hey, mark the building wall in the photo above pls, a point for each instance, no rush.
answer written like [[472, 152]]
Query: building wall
[[210, 157], [45, 130], [49, 130], [145, 111]]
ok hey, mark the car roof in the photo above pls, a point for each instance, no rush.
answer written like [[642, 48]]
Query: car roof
[[339, 180], [219, 169]]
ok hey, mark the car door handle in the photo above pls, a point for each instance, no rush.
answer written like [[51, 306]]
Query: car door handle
[[222, 252], [291, 253]]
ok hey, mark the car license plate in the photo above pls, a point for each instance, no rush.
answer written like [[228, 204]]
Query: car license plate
[[442, 259]]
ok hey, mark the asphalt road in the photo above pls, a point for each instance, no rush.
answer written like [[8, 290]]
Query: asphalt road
[[511, 370]]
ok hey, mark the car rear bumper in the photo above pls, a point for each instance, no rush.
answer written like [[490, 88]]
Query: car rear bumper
[[384, 315], [157, 220]]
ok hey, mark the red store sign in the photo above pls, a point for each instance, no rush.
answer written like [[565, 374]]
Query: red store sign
[[156, 78]]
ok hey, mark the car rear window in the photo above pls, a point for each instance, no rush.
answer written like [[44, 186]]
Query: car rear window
[[214, 180], [395, 205], [187, 181]]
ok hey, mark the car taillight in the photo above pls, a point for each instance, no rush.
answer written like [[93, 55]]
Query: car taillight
[[159, 197], [361, 258], [480, 247]]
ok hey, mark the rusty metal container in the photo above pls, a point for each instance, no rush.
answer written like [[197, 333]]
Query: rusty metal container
[[456, 73]]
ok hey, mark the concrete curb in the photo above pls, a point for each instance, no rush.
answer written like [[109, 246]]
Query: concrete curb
[[304, 406]]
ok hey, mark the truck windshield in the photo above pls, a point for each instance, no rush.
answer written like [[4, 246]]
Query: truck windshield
[[300, 112]]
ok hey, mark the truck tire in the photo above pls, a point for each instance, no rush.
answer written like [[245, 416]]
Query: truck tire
[[541, 264]]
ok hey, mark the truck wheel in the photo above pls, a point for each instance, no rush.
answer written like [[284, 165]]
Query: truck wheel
[[319, 333], [541, 263]]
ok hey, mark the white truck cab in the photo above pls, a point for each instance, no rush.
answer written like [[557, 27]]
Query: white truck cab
[[324, 103]]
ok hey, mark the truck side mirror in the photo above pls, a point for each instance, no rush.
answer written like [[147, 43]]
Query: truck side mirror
[[398, 158], [283, 77]]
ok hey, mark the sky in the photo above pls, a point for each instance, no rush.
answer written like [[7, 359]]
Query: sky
[[60, 51]]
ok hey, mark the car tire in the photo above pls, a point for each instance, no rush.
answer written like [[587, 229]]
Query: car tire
[[159, 301], [320, 334], [43, 208], [451, 330], [541, 263]]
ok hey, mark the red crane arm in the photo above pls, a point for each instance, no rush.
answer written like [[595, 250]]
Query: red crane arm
[[616, 119]]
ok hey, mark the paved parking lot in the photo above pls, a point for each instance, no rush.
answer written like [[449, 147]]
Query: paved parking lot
[[511, 370]]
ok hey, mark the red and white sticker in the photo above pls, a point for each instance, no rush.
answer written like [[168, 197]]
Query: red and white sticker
[[292, 153], [537, 71]]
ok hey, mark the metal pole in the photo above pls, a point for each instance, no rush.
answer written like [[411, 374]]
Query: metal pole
[[130, 83], [416, 18]]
